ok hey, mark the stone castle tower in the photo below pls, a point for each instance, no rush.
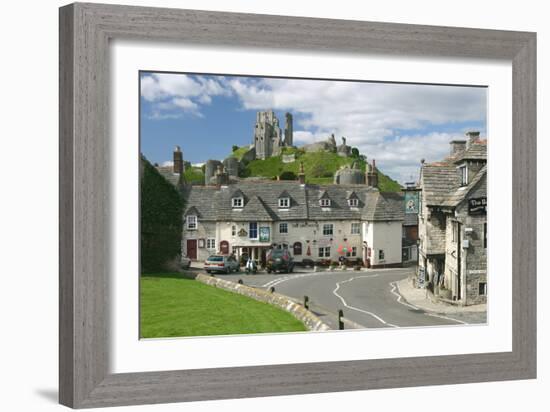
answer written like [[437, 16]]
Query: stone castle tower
[[268, 137]]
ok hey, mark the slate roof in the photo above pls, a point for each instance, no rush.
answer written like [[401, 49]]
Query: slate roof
[[477, 150], [441, 181], [387, 206], [438, 180], [261, 202], [168, 173], [460, 194], [410, 219]]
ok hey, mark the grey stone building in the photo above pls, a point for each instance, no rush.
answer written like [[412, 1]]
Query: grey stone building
[[452, 223]]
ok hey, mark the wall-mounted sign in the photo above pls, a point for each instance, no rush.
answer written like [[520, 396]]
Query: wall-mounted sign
[[243, 233], [411, 202], [477, 206], [264, 234], [201, 243]]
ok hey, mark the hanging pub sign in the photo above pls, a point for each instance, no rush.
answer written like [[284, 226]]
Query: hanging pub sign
[[243, 233], [411, 201], [264, 234], [477, 206]]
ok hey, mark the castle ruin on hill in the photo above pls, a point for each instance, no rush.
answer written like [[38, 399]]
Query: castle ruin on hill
[[268, 137]]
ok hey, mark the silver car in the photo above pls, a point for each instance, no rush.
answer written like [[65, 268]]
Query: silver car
[[221, 263]]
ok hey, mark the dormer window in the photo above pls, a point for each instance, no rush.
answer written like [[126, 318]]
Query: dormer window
[[284, 200], [325, 202], [353, 202], [284, 203], [463, 170], [237, 202]]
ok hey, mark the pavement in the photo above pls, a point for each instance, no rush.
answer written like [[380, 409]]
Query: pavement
[[421, 299], [369, 298]]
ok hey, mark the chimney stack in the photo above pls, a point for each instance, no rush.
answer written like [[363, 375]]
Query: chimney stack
[[372, 174], [472, 135], [302, 175], [457, 147], [178, 161]]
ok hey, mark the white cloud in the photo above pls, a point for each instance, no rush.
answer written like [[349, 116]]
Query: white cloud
[[397, 124], [370, 115], [171, 95]]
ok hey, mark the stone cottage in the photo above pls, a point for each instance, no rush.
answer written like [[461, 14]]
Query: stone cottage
[[452, 223]]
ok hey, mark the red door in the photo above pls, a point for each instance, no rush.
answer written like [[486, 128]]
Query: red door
[[192, 249]]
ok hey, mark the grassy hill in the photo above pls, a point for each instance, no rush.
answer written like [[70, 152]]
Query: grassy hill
[[319, 168]]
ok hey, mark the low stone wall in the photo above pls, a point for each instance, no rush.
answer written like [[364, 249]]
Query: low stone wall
[[311, 321]]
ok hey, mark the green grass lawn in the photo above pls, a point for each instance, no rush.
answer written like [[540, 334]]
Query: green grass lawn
[[173, 306]]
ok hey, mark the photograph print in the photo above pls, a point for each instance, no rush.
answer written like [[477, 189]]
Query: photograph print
[[286, 205]]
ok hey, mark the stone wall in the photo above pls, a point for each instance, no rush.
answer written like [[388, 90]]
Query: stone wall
[[311, 321], [475, 256]]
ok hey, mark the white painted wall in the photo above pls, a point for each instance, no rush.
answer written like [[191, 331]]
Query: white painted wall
[[387, 236], [298, 231]]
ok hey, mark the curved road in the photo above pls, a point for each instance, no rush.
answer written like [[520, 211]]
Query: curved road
[[369, 299]]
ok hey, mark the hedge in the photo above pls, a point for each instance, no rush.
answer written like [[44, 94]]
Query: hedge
[[161, 220]]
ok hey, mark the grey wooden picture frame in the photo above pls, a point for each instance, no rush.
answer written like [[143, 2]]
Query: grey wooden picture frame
[[85, 32]]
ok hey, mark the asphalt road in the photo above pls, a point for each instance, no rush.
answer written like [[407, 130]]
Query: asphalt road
[[369, 299]]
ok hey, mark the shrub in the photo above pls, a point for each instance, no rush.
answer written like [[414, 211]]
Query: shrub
[[288, 175]]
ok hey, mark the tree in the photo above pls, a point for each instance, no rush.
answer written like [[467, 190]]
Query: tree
[[355, 152], [234, 148]]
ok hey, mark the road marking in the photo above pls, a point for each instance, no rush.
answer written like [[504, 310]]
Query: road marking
[[399, 299], [277, 281], [378, 318]]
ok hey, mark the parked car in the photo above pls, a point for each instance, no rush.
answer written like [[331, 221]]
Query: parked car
[[279, 260], [185, 262], [221, 263]]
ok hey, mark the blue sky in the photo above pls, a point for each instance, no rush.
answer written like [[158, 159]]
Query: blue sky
[[396, 124]]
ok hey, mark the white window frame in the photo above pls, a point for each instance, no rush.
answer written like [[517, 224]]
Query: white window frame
[[353, 202], [285, 224], [324, 202], [237, 202], [284, 203], [324, 252], [211, 243], [326, 230], [250, 230], [355, 228], [191, 222], [463, 175], [233, 230], [381, 255]]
